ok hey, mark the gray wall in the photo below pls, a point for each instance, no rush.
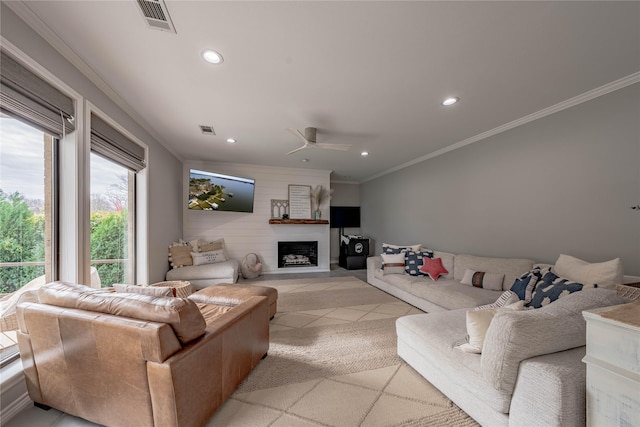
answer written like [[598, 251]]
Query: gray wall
[[165, 170], [561, 184]]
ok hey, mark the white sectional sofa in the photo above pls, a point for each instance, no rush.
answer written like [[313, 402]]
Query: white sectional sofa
[[530, 370], [447, 293]]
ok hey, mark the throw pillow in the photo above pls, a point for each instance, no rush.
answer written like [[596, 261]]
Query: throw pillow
[[388, 248], [413, 262], [478, 322], [210, 257], [507, 298], [393, 263], [524, 285], [180, 254], [433, 268], [481, 279], [606, 274], [552, 288], [216, 245], [154, 291]]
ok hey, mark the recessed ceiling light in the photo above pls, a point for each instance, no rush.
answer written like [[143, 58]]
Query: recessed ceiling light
[[212, 56], [364, 153], [450, 101], [231, 140], [305, 160]]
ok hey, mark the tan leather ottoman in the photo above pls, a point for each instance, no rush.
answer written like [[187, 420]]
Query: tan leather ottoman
[[241, 292]]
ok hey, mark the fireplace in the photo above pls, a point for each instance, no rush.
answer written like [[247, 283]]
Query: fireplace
[[297, 254]]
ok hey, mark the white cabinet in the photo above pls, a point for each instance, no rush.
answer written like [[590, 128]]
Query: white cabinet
[[613, 366]]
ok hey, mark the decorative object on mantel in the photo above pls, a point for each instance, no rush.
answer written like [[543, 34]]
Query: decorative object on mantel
[[299, 201], [320, 195], [279, 208]]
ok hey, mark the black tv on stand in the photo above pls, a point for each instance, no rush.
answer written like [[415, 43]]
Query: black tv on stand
[[344, 217]]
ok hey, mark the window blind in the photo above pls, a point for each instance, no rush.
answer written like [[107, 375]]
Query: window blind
[[26, 96], [108, 142]]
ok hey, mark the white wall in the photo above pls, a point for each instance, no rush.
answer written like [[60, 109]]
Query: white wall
[[563, 184], [251, 232]]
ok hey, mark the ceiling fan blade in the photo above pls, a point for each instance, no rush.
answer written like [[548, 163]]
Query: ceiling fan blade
[[340, 147], [297, 149], [297, 133]]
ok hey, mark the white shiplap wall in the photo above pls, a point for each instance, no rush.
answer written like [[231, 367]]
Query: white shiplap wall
[[251, 232]]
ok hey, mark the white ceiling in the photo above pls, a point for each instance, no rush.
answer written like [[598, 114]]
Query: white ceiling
[[370, 74]]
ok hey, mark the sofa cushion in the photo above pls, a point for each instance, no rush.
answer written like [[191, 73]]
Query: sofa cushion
[[478, 322], [511, 267], [506, 298], [220, 270], [388, 248], [524, 285], [434, 336], [154, 291], [451, 294], [180, 254], [210, 257], [393, 263], [516, 336], [447, 262], [551, 288], [413, 260], [606, 274], [482, 279], [400, 281], [433, 268], [180, 313]]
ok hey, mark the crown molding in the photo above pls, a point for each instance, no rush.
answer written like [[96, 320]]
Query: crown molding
[[571, 102], [21, 8]]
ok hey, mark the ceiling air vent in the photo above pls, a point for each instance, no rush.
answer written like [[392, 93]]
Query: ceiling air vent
[[207, 130], [156, 15]]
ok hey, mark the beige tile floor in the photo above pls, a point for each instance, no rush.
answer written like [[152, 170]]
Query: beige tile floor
[[386, 396]]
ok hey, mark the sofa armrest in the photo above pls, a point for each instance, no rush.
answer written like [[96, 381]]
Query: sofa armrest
[[550, 391], [514, 336], [210, 368]]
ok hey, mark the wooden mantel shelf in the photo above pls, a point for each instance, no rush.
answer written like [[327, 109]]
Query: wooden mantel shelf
[[298, 221]]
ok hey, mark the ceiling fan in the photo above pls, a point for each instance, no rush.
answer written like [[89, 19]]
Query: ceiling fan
[[309, 138]]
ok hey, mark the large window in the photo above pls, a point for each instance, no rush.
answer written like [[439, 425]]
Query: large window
[[27, 220], [26, 205], [112, 222]]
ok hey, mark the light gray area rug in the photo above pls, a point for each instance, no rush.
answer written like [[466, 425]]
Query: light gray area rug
[[328, 353], [305, 354]]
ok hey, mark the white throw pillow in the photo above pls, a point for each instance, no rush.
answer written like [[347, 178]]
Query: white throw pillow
[[210, 257], [606, 274], [393, 263], [414, 248], [478, 322], [481, 279]]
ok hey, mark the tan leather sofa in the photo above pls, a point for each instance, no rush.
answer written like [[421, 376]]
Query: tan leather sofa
[[121, 359]]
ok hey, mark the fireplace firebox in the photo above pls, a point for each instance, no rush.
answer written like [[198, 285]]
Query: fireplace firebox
[[297, 254]]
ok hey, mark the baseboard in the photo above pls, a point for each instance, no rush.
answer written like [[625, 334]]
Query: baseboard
[[14, 408]]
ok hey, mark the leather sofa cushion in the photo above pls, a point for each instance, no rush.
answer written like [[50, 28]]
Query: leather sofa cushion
[[181, 314]]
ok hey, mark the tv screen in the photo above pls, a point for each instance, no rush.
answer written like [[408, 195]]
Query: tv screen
[[345, 216], [210, 191]]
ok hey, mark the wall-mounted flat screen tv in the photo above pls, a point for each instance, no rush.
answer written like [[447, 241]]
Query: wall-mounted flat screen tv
[[345, 216], [209, 191]]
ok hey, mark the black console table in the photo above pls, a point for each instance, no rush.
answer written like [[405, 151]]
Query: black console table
[[353, 252]]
